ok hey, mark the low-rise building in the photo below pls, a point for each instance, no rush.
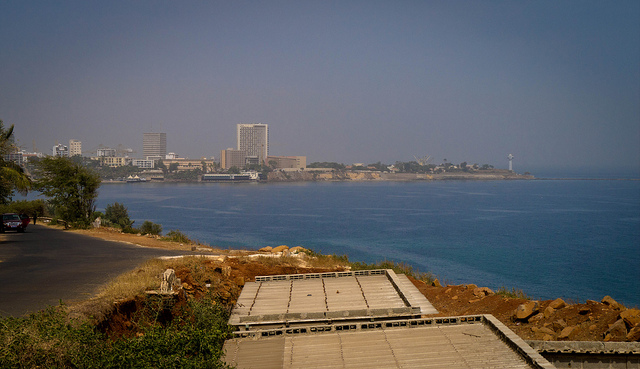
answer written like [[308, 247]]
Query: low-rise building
[[61, 150], [143, 163], [232, 158], [114, 161], [285, 162]]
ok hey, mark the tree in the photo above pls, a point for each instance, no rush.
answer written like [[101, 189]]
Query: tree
[[117, 214], [12, 176], [71, 188]]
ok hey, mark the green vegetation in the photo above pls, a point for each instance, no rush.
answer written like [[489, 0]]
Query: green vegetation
[[177, 236], [33, 208], [51, 339], [148, 227], [116, 214], [72, 189], [12, 176], [401, 268], [513, 293], [325, 164]]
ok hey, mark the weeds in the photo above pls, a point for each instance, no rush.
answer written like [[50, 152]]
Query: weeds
[[176, 236], [513, 293]]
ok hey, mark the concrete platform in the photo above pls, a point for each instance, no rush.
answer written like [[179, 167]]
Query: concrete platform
[[306, 298], [457, 342]]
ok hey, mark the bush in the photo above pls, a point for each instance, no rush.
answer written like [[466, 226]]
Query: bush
[[118, 215], [176, 236], [150, 228]]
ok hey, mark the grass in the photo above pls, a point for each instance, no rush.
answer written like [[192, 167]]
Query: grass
[[69, 336], [512, 293]]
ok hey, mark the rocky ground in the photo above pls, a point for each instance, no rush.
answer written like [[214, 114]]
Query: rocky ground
[[604, 320]]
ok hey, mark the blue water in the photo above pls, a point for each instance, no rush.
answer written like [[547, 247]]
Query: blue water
[[573, 239]]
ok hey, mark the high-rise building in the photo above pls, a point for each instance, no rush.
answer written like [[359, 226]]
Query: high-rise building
[[154, 145], [253, 139], [75, 147]]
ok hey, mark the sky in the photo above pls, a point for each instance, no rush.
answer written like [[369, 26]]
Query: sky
[[555, 83]]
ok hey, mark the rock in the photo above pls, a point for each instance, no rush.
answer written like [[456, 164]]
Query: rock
[[631, 317], [546, 330], [584, 310], [297, 249], [547, 337], [548, 312], [436, 283], [617, 331], [454, 298], [481, 292], [607, 300], [536, 317], [559, 324], [524, 311], [634, 334], [266, 249], [470, 286], [168, 280], [474, 300], [557, 304], [281, 248], [239, 280], [566, 332]]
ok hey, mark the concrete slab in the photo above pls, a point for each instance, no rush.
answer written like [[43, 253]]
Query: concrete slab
[[301, 298], [461, 342]]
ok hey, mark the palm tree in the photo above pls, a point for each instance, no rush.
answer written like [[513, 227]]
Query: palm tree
[[12, 176]]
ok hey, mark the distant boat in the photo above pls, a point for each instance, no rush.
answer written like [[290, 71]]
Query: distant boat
[[136, 179], [242, 177]]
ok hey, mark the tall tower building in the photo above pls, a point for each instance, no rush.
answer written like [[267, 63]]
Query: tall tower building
[[154, 145], [75, 147], [253, 139]]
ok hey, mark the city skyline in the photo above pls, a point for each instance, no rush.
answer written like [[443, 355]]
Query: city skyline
[[553, 83]]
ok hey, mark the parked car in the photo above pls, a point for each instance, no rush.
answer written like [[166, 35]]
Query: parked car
[[12, 221]]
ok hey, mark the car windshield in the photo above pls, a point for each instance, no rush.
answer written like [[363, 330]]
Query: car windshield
[[10, 217]]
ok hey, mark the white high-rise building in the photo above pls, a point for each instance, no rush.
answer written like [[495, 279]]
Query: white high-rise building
[[253, 139], [154, 145], [75, 147]]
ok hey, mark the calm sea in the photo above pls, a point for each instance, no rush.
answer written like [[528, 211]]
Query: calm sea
[[563, 238]]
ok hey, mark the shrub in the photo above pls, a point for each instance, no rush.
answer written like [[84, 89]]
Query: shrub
[[177, 236], [117, 214], [150, 228]]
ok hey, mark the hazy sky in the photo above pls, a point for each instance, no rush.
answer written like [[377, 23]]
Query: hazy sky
[[555, 83]]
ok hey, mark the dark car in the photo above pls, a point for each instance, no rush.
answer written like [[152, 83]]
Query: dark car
[[13, 221]]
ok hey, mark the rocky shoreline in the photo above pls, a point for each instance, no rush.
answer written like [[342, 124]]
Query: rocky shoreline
[[310, 176]]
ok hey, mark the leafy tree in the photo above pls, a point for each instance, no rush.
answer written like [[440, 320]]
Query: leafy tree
[[12, 176], [117, 214], [71, 188], [173, 167], [150, 228], [234, 170], [325, 164]]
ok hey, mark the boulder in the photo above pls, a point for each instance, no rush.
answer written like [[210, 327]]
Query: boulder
[[266, 249], [584, 310], [557, 304], [524, 311], [608, 300], [634, 334], [436, 283], [559, 325], [481, 292], [616, 332], [470, 286], [546, 330], [297, 249], [548, 312], [281, 248], [631, 317], [566, 332]]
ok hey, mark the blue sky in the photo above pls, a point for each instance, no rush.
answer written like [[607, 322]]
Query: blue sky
[[555, 83]]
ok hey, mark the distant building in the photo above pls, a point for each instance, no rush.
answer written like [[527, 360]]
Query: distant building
[[232, 158], [154, 145], [287, 162], [75, 147], [107, 152], [171, 155], [190, 164], [253, 139], [114, 161], [61, 150], [143, 163]]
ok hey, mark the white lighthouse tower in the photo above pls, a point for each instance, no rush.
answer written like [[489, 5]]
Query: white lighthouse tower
[[510, 157]]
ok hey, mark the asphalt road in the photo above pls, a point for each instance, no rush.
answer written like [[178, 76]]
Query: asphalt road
[[45, 266]]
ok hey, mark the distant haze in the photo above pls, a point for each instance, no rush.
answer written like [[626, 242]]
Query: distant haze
[[555, 83]]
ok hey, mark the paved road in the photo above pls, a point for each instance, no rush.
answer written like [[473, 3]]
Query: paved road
[[44, 266]]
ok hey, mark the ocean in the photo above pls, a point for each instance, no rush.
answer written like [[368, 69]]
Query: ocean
[[575, 239]]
